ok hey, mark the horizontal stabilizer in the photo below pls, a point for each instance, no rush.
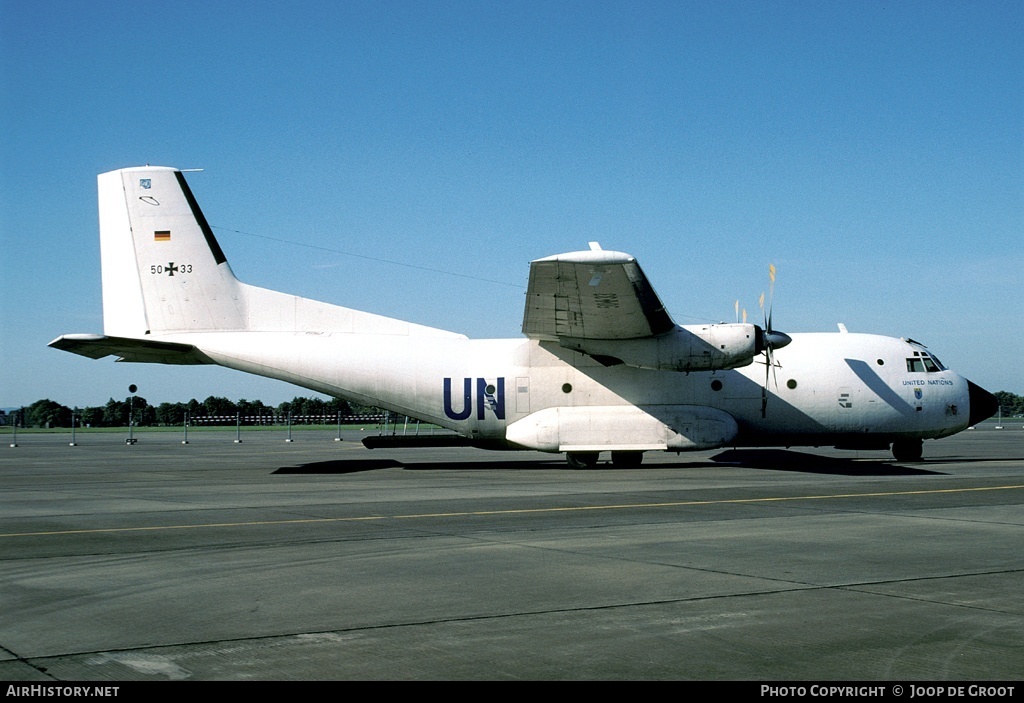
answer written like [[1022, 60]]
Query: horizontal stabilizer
[[97, 346]]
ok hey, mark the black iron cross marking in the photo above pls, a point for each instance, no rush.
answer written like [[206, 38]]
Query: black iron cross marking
[[171, 268]]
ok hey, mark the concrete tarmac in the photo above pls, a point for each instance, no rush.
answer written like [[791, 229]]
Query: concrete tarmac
[[317, 559]]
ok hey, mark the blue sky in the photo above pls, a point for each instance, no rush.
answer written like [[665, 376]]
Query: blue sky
[[874, 152]]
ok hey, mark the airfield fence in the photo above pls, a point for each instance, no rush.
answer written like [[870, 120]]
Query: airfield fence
[[284, 419]]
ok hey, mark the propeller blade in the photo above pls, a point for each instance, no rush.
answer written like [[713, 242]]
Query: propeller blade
[[764, 388], [771, 340]]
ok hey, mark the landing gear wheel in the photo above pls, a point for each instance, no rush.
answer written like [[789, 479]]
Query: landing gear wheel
[[907, 449], [627, 460], [582, 460]]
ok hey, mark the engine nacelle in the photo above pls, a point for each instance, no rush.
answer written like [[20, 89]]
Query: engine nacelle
[[683, 348]]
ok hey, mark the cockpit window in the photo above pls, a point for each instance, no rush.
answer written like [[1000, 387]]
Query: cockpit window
[[923, 363]]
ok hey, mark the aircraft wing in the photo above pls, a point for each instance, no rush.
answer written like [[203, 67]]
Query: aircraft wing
[[592, 294], [97, 346]]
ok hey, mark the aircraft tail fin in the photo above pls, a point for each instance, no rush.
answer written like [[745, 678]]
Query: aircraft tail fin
[[163, 270], [164, 273]]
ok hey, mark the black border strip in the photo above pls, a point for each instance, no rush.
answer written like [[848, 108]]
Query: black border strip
[[211, 241]]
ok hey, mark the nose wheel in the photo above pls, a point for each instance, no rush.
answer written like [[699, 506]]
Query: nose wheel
[[907, 449]]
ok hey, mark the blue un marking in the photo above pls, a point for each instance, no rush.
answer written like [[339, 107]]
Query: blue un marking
[[487, 396]]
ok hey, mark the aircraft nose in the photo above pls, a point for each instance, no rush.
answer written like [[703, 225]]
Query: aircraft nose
[[983, 404]]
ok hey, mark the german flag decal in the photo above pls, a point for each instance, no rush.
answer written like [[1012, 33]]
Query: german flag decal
[[163, 235]]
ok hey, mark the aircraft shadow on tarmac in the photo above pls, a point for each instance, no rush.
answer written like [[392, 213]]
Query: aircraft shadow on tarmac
[[352, 466], [340, 466], [787, 460], [766, 459]]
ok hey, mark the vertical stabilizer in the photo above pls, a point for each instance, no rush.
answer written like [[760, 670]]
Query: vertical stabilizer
[[163, 270]]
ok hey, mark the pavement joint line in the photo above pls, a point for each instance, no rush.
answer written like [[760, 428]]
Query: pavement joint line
[[516, 511]]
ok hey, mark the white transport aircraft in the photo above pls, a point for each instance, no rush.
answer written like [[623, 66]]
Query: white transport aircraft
[[602, 366]]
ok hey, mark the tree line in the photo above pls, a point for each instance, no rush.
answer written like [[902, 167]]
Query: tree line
[[48, 413], [1012, 404]]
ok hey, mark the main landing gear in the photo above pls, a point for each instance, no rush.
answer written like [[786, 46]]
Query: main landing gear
[[620, 460], [907, 449]]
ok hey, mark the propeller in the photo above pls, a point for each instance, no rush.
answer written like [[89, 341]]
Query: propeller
[[769, 340], [738, 313]]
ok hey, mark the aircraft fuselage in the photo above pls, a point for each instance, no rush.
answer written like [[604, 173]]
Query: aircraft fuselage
[[824, 389]]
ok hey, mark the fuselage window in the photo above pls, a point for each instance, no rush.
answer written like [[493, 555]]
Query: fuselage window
[[915, 365], [930, 366]]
